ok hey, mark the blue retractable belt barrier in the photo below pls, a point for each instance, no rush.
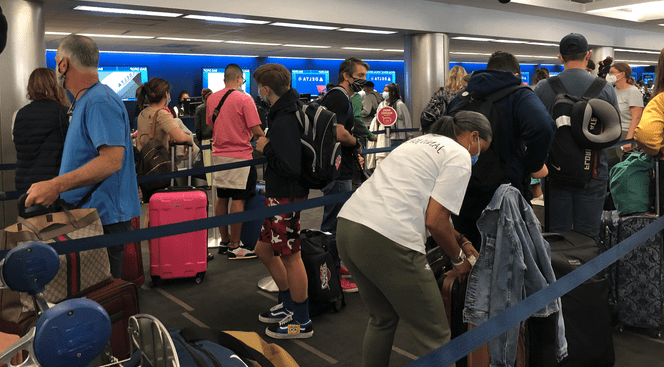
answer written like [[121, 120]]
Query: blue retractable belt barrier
[[137, 235], [462, 345]]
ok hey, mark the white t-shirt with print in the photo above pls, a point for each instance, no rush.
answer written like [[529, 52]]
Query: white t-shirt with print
[[393, 201]]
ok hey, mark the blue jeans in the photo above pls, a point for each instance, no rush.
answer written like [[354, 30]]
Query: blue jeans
[[330, 212], [116, 253], [577, 209]]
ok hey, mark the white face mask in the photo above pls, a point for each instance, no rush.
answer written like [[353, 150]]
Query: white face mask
[[59, 76], [362, 93], [386, 95], [611, 79]]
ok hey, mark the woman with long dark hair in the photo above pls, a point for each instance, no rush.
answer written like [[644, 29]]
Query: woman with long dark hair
[[39, 130], [391, 98], [414, 190], [630, 100], [157, 94]]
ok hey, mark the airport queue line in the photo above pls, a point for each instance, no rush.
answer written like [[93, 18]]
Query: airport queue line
[[454, 350]]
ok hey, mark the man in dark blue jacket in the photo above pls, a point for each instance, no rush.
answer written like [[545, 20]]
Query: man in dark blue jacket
[[523, 131], [279, 244]]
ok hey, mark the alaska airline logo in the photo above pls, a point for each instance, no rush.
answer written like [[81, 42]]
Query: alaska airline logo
[[325, 275]]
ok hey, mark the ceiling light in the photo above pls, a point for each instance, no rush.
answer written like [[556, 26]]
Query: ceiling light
[[393, 50], [636, 51], [509, 41], [535, 57], [306, 46], [637, 62], [542, 44], [373, 31], [473, 39], [306, 58], [127, 11], [253, 43], [169, 53], [307, 26], [361, 49], [114, 36], [188, 39], [58, 33], [470, 53], [225, 19]]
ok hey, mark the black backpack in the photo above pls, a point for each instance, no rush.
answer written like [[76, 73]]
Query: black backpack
[[321, 153], [584, 124], [325, 293], [488, 173], [434, 110]]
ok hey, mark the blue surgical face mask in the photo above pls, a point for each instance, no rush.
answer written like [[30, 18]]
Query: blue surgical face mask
[[474, 158]]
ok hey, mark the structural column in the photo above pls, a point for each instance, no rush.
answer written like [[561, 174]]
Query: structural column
[[24, 52], [426, 66], [599, 54]]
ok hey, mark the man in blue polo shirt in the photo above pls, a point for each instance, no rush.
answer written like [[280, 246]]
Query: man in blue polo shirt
[[97, 148]]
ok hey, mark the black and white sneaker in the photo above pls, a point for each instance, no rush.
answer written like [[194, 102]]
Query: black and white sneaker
[[288, 328], [276, 314]]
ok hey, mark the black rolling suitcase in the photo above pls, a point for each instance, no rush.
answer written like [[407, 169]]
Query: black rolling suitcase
[[586, 310]]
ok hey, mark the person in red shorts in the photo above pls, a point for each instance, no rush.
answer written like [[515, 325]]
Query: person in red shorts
[[279, 244]]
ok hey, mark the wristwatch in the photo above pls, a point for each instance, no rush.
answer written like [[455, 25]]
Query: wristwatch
[[459, 261]]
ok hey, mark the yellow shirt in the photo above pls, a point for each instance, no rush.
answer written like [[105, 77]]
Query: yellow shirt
[[650, 131]]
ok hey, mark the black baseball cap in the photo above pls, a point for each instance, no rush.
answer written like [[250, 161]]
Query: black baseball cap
[[572, 44]]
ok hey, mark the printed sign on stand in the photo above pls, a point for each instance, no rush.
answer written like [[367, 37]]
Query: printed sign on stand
[[387, 116]]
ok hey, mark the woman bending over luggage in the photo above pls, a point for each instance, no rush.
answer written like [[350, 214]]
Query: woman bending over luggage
[[415, 189], [39, 130]]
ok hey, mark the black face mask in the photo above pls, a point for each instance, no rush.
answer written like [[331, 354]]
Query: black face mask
[[357, 84]]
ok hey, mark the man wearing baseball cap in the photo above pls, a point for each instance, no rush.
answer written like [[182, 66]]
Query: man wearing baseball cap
[[586, 203]]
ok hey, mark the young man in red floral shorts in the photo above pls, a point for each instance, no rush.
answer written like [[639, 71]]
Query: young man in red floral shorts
[[279, 244]]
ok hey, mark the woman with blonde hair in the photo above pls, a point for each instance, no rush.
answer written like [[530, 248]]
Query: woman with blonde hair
[[454, 82], [39, 130]]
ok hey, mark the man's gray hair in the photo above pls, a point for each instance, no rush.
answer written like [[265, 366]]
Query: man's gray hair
[[82, 51]]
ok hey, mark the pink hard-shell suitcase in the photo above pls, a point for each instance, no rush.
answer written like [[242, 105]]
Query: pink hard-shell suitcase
[[183, 255]]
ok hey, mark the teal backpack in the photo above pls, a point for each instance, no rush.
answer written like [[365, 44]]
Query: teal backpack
[[629, 182]]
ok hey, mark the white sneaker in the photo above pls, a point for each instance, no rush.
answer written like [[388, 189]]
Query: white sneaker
[[240, 252]]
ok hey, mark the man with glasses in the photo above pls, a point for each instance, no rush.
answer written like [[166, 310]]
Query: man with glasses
[[235, 123]]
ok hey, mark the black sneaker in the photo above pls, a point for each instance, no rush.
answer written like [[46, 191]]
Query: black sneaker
[[223, 247], [276, 314]]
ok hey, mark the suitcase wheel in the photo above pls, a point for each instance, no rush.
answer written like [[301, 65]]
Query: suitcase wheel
[[199, 277], [156, 280]]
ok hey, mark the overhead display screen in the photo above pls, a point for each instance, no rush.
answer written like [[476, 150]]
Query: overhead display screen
[[311, 82], [124, 80], [381, 78], [213, 78]]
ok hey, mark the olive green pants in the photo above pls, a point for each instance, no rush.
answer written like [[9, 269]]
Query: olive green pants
[[395, 283]]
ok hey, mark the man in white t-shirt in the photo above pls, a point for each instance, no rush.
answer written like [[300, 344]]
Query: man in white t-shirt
[[236, 124]]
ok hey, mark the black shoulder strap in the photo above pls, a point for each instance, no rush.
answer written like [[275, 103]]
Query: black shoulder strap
[[221, 103], [595, 88], [557, 85], [194, 333], [500, 94]]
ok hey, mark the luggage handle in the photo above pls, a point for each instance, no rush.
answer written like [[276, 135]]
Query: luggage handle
[[188, 144]]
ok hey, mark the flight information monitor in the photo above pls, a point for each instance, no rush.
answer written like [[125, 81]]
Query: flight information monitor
[[381, 78], [648, 77], [525, 77], [311, 82], [124, 80], [213, 78]]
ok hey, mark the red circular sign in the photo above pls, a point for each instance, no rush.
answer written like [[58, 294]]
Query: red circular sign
[[387, 116]]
